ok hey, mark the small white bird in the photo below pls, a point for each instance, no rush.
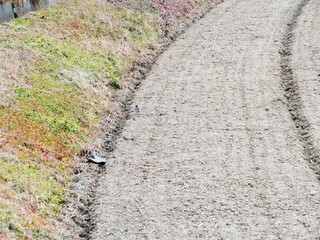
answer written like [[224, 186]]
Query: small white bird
[[96, 158], [137, 109]]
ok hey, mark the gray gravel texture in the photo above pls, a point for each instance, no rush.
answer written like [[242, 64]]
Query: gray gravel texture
[[215, 153]]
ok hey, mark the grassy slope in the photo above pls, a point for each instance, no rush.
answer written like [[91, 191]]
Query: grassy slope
[[59, 68]]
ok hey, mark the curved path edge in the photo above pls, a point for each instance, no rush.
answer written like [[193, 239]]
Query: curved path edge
[[215, 153]]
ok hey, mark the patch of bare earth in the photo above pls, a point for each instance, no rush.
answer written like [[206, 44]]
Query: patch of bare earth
[[79, 220], [215, 153]]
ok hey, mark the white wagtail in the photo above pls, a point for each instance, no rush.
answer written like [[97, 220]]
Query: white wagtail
[[137, 109], [96, 158]]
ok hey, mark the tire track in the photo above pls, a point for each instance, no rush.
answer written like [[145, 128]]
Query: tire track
[[292, 93]]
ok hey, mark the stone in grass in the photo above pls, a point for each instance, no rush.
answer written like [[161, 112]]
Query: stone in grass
[[96, 158]]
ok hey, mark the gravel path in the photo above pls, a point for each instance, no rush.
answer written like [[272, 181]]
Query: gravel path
[[215, 153]]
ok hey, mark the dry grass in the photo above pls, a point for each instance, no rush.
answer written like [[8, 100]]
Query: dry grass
[[15, 62]]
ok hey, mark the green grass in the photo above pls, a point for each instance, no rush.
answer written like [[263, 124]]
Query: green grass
[[40, 197], [8, 224], [65, 55], [25, 177]]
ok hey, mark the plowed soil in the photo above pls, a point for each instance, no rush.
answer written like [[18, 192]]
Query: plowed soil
[[219, 148]]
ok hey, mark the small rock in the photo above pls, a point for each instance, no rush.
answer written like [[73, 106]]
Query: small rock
[[138, 75], [66, 234], [126, 232], [142, 70], [75, 179], [129, 138]]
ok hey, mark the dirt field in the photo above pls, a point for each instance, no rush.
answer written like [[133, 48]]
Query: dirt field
[[306, 66], [215, 152]]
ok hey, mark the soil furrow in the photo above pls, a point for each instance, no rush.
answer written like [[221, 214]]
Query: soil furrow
[[292, 93]]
